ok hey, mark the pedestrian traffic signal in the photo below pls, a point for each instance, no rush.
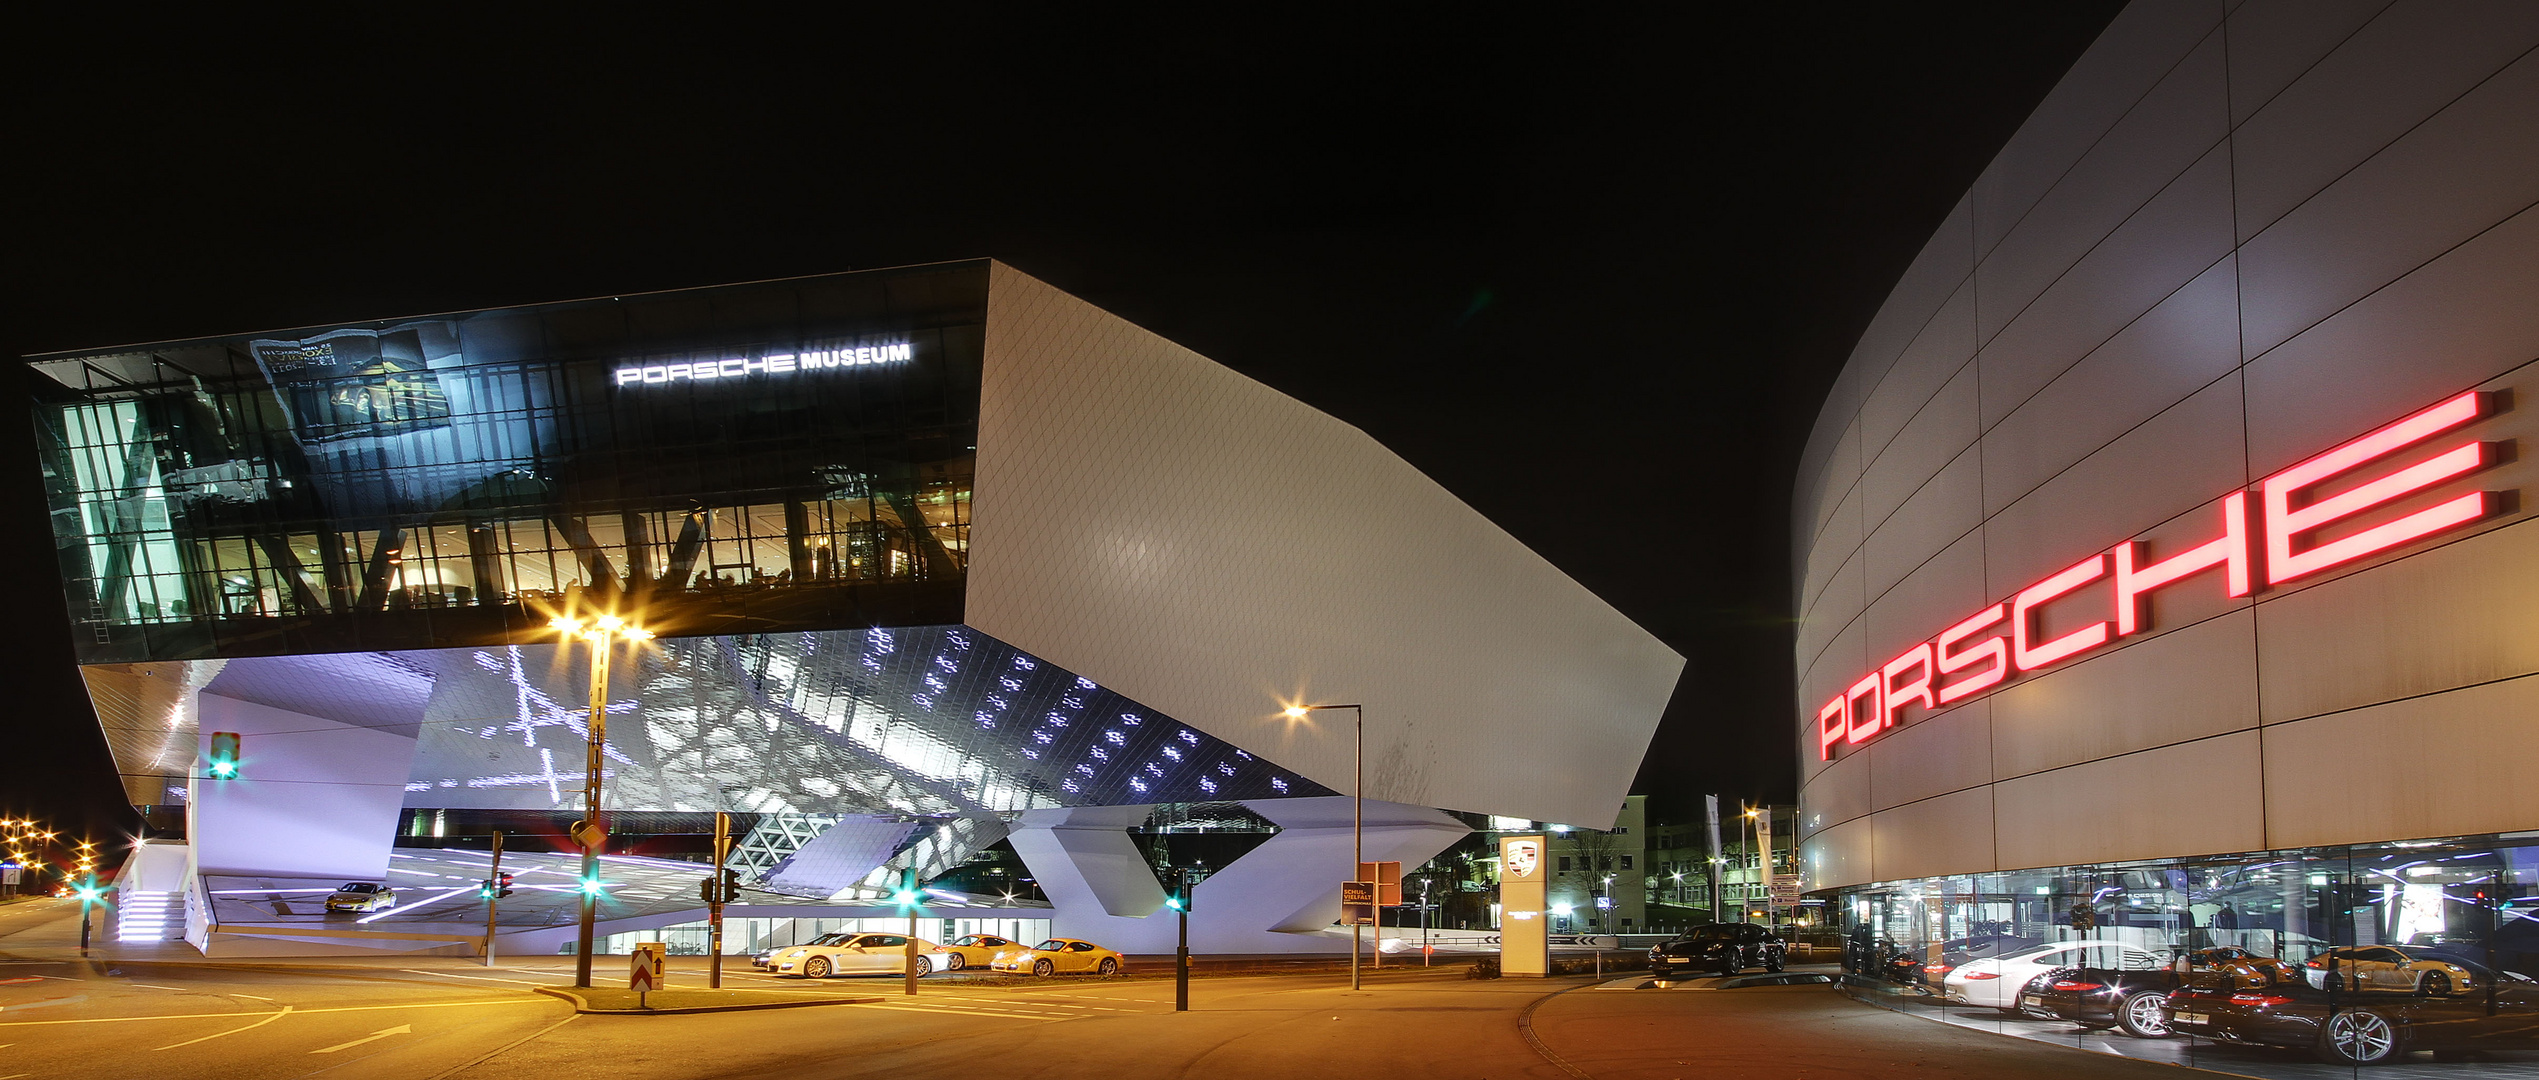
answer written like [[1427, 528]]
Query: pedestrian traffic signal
[[731, 885], [502, 885], [222, 762], [485, 889], [494, 887]]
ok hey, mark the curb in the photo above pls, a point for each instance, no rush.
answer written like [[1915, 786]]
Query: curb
[[582, 1005]]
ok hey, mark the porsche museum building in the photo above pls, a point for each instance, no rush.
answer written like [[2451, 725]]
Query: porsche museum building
[[936, 558], [2166, 550]]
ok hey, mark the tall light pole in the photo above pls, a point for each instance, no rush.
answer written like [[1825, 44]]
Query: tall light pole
[[602, 634], [1357, 820]]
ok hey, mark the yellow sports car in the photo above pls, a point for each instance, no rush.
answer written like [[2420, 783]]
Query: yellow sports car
[[2389, 967], [971, 950], [1060, 954]]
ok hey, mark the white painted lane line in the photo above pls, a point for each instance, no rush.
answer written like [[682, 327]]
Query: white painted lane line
[[155, 986], [526, 999], [257, 997], [478, 978], [382, 1033], [286, 1011], [965, 1012]]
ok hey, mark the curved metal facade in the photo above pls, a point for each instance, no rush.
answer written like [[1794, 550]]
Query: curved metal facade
[[2234, 238]]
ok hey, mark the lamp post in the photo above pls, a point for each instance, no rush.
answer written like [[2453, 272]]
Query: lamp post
[[602, 634], [1357, 817]]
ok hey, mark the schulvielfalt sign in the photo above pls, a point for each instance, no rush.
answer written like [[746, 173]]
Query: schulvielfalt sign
[[2311, 517]]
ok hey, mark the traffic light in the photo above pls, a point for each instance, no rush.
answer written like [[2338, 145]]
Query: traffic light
[[706, 889], [502, 885], [485, 889], [222, 763], [593, 886], [731, 885]]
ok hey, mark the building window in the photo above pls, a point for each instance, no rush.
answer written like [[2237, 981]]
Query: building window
[[1605, 863], [1564, 864], [1626, 862]]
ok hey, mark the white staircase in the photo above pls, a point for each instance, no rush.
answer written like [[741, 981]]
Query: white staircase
[[148, 918]]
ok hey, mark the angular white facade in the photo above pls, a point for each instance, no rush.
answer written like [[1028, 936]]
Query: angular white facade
[[1218, 550], [2235, 236]]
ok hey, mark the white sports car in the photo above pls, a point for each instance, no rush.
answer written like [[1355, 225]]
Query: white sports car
[[1995, 982], [861, 954]]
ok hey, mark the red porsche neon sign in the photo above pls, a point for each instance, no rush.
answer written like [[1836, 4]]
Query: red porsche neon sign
[[1985, 649]]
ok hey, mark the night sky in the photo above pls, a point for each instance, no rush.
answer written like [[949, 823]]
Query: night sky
[[1593, 271]]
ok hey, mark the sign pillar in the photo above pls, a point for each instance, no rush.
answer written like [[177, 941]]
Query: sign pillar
[[1763, 841], [714, 910], [493, 896], [1525, 941], [644, 974]]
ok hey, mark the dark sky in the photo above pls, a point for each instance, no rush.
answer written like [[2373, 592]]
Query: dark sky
[[1592, 271]]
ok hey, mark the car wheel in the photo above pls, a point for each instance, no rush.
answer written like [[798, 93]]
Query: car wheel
[[1043, 967], [2436, 983], [1773, 964], [816, 968], [1110, 965], [2358, 1037], [923, 967], [2141, 1016], [953, 962]]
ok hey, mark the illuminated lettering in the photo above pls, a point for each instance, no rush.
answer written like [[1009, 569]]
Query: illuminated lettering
[[1994, 654], [1974, 655], [2229, 552], [770, 364], [1899, 695], [1864, 722], [2030, 656], [2284, 523], [1831, 721]]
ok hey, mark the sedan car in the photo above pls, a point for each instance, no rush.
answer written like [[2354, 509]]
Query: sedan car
[[767, 957], [2363, 1028], [1060, 955], [2403, 968], [858, 954], [1724, 948], [361, 896], [1955, 952], [971, 950], [1997, 982]]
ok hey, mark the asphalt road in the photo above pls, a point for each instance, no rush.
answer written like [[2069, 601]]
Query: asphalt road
[[427, 1019]]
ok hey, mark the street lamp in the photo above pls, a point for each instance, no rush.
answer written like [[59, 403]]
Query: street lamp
[[1357, 816], [602, 634]]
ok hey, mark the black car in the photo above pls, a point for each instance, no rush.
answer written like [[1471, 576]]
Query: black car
[[1724, 948], [2136, 1001], [2363, 1027]]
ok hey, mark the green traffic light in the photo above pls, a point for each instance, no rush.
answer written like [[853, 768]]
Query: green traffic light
[[224, 769], [594, 886]]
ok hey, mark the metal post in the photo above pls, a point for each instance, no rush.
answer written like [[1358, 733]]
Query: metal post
[[1427, 951], [593, 830], [1181, 955], [714, 911], [1357, 837], [86, 916], [908, 963], [494, 896]]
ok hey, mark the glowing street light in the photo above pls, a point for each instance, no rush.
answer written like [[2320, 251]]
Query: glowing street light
[[1357, 816], [602, 635]]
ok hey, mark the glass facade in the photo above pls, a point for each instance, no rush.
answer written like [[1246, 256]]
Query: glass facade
[[2261, 963], [792, 454]]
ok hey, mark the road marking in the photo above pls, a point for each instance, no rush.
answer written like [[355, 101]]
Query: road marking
[[286, 1011], [945, 1011], [155, 986], [382, 1033], [478, 978], [258, 997], [523, 1000]]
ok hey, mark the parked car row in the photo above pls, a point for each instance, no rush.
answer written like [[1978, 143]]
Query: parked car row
[[2351, 1005], [849, 953]]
